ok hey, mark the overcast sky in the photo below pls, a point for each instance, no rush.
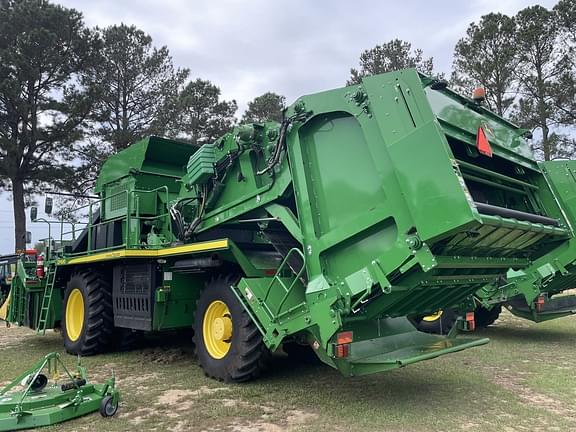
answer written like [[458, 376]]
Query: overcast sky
[[293, 48]]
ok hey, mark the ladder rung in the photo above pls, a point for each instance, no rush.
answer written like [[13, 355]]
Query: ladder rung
[[46, 300]]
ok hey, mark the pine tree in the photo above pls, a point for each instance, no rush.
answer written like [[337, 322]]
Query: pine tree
[[46, 55], [541, 64], [202, 116], [487, 57], [393, 55], [266, 107]]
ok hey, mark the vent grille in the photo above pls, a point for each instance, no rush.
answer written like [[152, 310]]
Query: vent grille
[[132, 295], [117, 204]]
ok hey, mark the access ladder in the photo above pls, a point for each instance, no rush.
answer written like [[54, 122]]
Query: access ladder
[[46, 301]]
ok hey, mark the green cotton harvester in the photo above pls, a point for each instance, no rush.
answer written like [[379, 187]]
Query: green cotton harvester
[[366, 205]]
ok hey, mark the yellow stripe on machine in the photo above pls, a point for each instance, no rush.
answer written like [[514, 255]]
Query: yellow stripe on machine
[[148, 253]]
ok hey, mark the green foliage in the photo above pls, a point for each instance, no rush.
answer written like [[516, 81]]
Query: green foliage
[[266, 107], [46, 60], [487, 57], [565, 86], [541, 62], [393, 55], [566, 14], [202, 116], [137, 91], [526, 63]]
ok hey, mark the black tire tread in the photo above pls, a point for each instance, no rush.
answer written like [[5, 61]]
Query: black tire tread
[[99, 321], [253, 355], [486, 317], [103, 404]]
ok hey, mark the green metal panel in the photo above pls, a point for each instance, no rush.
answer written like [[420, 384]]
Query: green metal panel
[[155, 155], [175, 300], [201, 165]]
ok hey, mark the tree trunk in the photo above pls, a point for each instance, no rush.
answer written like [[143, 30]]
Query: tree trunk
[[19, 214]]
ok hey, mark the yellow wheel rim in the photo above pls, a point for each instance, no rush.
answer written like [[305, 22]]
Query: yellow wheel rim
[[433, 317], [217, 329], [74, 314]]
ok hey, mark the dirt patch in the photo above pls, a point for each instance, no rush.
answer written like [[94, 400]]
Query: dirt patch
[[138, 380], [178, 400], [514, 382], [293, 420], [258, 426], [181, 426], [183, 399], [206, 391], [13, 337], [299, 417], [138, 416], [177, 396]]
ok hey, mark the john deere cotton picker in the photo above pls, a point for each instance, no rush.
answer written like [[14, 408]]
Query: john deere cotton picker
[[366, 205]]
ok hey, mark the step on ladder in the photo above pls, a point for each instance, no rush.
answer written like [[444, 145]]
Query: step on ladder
[[294, 280], [46, 301]]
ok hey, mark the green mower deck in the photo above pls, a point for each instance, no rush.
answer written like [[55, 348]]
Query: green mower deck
[[44, 404]]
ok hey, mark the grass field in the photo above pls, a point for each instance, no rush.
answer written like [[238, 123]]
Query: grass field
[[523, 381]]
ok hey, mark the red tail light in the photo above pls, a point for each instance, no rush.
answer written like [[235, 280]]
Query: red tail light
[[343, 341], [344, 337], [470, 322], [539, 304], [342, 351]]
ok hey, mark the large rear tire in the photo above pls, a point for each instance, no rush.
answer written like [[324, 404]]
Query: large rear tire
[[485, 317], [87, 321], [440, 322], [228, 344]]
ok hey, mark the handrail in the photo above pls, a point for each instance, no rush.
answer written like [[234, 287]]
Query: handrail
[[131, 216], [277, 279]]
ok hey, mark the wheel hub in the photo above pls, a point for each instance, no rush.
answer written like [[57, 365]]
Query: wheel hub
[[222, 328], [217, 329], [433, 317]]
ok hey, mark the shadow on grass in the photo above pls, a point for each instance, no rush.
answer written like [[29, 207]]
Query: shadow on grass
[[528, 334], [419, 387], [49, 342]]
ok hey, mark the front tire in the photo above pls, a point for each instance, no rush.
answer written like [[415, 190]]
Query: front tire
[[87, 322], [228, 344]]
